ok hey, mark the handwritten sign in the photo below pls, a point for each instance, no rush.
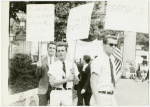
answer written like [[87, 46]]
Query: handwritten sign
[[127, 16], [79, 22], [40, 22]]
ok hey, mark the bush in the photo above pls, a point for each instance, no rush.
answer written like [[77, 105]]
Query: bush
[[22, 73]]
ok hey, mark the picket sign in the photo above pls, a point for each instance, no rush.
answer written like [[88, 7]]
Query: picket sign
[[79, 24], [29, 95]]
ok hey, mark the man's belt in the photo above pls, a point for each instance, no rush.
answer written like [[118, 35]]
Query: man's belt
[[106, 92], [54, 88]]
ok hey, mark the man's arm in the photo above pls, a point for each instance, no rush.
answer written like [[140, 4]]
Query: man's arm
[[93, 81], [76, 80], [75, 72], [55, 82], [40, 70], [39, 73], [88, 78]]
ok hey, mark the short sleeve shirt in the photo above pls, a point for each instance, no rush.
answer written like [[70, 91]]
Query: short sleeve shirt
[[101, 66], [56, 70]]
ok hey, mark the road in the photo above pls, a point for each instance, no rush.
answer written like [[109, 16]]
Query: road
[[128, 93], [131, 93]]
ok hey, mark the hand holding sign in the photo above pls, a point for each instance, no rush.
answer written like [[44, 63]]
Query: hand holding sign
[[79, 23]]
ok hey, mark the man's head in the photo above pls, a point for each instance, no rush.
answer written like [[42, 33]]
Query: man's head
[[51, 48], [86, 59], [61, 51], [144, 62], [109, 44]]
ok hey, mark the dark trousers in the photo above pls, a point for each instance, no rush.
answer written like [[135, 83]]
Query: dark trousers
[[43, 98], [147, 77], [86, 96]]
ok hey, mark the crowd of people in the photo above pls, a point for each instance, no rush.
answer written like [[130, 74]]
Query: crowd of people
[[136, 71], [142, 72], [95, 82]]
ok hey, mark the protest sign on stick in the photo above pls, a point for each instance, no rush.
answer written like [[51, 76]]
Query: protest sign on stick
[[79, 23], [40, 22], [130, 17], [127, 16]]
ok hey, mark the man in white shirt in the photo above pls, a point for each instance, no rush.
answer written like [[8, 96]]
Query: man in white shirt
[[62, 74], [103, 76], [45, 88]]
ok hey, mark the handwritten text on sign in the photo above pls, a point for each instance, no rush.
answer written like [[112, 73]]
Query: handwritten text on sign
[[79, 22], [40, 22], [127, 16]]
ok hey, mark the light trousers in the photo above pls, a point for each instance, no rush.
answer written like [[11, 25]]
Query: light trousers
[[104, 100], [61, 98]]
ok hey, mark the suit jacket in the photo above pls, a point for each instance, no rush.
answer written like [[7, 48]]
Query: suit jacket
[[44, 79], [84, 82]]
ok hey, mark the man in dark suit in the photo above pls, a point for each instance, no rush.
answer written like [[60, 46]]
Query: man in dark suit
[[84, 88], [45, 88]]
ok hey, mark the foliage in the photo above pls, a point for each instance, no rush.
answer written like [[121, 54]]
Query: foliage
[[22, 73], [143, 39], [62, 9], [61, 13]]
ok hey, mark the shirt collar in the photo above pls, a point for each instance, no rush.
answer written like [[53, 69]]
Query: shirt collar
[[85, 65], [51, 57], [61, 61], [106, 56]]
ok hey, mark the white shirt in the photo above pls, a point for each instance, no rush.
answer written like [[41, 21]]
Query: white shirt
[[101, 66], [52, 59], [56, 70], [84, 66]]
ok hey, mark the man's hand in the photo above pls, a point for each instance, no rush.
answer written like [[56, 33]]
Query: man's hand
[[72, 70], [39, 64], [82, 91], [70, 78]]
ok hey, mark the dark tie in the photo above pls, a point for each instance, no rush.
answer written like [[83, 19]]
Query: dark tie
[[112, 74], [64, 69]]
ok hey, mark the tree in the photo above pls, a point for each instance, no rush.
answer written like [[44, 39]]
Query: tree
[[61, 16], [61, 13], [62, 9], [143, 39]]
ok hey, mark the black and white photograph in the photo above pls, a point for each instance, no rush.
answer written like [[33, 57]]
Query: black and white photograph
[[75, 53]]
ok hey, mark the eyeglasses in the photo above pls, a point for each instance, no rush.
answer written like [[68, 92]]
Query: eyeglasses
[[111, 44]]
